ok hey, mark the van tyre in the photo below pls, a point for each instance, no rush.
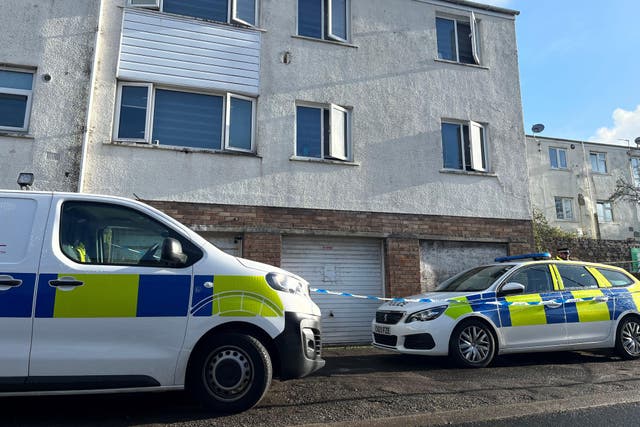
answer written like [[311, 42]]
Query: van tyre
[[472, 344], [628, 338], [230, 373]]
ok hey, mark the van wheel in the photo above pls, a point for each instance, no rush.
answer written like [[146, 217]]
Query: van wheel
[[472, 344], [230, 373], [628, 338]]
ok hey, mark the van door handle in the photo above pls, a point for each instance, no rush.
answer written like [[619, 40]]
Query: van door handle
[[65, 283], [601, 299], [8, 282], [553, 304]]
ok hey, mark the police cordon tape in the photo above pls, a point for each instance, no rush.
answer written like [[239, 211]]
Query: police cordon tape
[[555, 301]]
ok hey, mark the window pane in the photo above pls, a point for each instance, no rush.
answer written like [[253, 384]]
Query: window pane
[[133, 112], [568, 208], [563, 159], [559, 208], [446, 39], [339, 18], [12, 110], [594, 161], [553, 158], [616, 278], [465, 51], [240, 126], [535, 279], [16, 80], [187, 119], [635, 171], [310, 18], [575, 276], [602, 164], [215, 10], [308, 131], [451, 147], [246, 11]]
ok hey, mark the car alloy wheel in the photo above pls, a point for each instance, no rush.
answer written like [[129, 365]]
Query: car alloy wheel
[[474, 343], [630, 337]]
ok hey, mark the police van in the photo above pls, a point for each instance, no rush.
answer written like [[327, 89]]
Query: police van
[[521, 303], [103, 293]]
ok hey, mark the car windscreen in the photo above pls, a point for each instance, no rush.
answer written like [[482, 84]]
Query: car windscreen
[[475, 279]]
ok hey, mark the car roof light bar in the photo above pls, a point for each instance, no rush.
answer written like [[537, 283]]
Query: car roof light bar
[[535, 256]]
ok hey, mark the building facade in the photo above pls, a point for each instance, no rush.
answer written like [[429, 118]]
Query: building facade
[[571, 183], [371, 146]]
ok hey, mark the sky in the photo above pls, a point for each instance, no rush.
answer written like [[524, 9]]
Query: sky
[[579, 67]]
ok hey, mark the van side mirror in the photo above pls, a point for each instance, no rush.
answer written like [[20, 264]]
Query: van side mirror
[[172, 252], [511, 288]]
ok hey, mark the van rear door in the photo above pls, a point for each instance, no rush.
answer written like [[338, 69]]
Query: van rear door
[[23, 217]]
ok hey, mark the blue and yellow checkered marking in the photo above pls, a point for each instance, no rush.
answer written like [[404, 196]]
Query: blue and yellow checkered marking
[[18, 301], [115, 295]]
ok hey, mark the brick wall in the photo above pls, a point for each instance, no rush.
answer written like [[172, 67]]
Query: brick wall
[[615, 252], [402, 266], [263, 247]]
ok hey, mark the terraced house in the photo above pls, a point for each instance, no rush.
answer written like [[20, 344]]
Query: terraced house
[[371, 146]]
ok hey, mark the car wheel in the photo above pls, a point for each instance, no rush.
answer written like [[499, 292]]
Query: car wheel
[[230, 373], [628, 338], [472, 344]]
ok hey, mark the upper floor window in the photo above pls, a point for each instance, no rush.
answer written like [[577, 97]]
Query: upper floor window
[[598, 162], [147, 113], [324, 19], [635, 171], [323, 132], [605, 212], [16, 89], [464, 146], [558, 158], [232, 11], [458, 39], [564, 208]]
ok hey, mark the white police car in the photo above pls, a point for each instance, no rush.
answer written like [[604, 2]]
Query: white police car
[[519, 304]]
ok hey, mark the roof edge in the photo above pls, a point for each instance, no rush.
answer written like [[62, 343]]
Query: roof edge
[[484, 7]]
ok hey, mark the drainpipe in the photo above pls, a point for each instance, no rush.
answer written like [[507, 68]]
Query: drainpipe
[[594, 227]]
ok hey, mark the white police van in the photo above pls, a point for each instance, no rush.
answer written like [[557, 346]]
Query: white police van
[[105, 293]]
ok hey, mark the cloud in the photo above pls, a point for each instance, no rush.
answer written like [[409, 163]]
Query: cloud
[[626, 126]]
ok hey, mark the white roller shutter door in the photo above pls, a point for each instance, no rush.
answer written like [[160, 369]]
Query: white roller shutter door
[[350, 265]]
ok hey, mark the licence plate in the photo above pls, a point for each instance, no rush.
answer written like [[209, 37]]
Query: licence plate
[[384, 330]]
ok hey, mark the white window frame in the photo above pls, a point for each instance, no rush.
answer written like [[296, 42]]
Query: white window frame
[[327, 22], [565, 201], [474, 28], [598, 154], [234, 14], [477, 140], [148, 131], [558, 150], [635, 171], [20, 92], [340, 154], [601, 208], [232, 9], [147, 4], [227, 122]]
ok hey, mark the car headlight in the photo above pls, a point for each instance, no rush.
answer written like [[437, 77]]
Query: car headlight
[[428, 314], [285, 283]]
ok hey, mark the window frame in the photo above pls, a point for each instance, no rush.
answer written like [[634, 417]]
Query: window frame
[[149, 122], [604, 207], [475, 146], [635, 170], [326, 22], [474, 33], [597, 155], [564, 199], [232, 9], [558, 150], [20, 92], [331, 108]]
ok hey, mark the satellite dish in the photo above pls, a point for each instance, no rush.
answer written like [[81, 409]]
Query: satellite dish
[[537, 128], [637, 141]]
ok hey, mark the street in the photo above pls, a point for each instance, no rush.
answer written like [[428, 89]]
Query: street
[[366, 386]]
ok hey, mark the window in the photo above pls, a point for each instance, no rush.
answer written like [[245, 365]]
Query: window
[[616, 278], [457, 39], [324, 19], [635, 170], [105, 234], [605, 213], [564, 208], [576, 277], [232, 11], [558, 158], [535, 279], [598, 162], [323, 132], [15, 99], [464, 146], [186, 119]]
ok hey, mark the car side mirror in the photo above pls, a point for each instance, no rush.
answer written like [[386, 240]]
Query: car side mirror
[[511, 288], [172, 252]]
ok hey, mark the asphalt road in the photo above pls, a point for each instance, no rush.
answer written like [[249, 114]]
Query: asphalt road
[[368, 387]]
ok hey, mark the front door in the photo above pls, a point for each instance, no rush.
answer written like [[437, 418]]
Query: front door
[[109, 305]]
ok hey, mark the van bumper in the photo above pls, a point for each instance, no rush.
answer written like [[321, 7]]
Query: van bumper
[[299, 346]]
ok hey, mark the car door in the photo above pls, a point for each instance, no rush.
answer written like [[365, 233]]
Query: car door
[[108, 306], [535, 318], [22, 224], [588, 308]]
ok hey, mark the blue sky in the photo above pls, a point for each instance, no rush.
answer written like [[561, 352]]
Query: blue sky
[[579, 67]]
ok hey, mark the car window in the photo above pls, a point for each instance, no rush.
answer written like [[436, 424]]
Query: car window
[[616, 278], [536, 279], [475, 279], [576, 277]]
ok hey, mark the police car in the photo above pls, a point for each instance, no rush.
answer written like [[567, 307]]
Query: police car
[[519, 304]]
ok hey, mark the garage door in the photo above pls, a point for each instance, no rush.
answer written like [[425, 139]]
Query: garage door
[[229, 243], [344, 265], [440, 260]]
